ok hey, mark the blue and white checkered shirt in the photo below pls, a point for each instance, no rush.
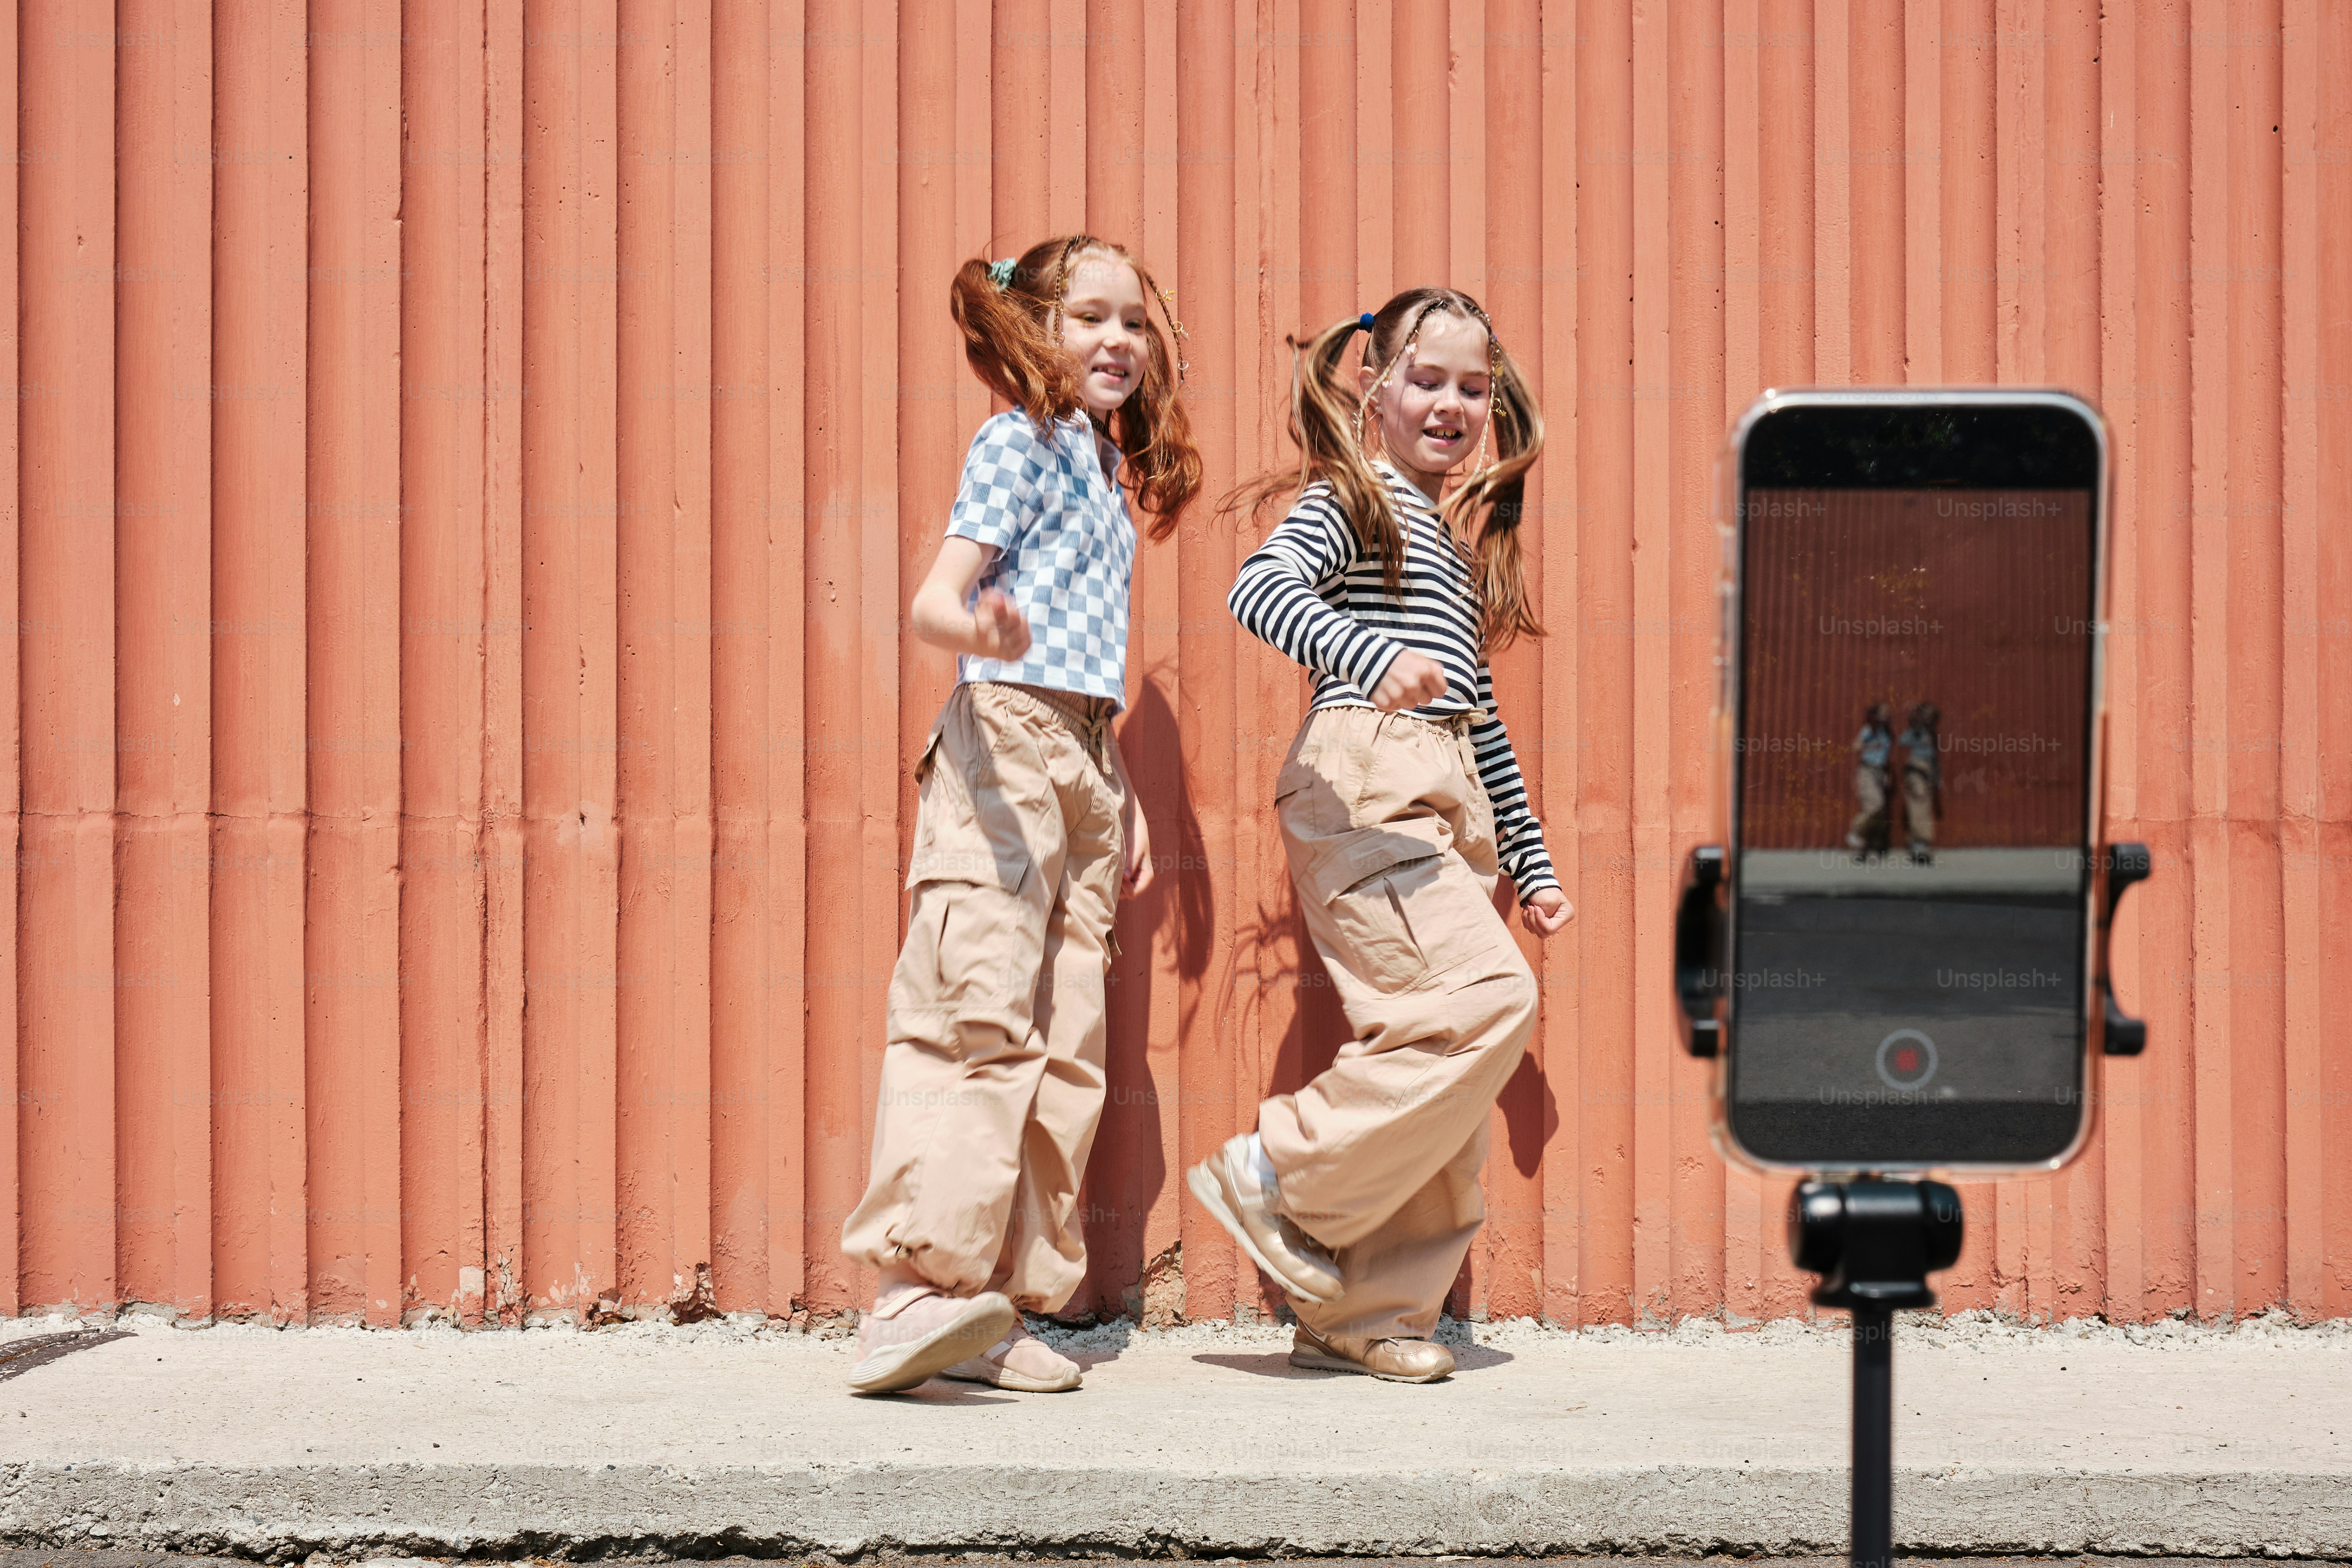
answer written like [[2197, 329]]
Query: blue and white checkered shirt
[[1065, 553]]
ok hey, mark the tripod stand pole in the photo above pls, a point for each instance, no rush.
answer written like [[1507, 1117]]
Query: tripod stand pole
[[1874, 1243], [1873, 1436]]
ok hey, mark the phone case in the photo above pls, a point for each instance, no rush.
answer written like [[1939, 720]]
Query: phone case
[[1724, 728]]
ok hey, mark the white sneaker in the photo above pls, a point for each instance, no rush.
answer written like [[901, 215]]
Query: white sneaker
[[1230, 1186], [922, 1334], [1022, 1363]]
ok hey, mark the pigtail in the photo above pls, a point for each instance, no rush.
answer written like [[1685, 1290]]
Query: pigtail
[[1507, 611], [1325, 411], [1153, 431], [1009, 347]]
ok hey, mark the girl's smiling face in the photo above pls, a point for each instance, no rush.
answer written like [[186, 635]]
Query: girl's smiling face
[[1432, 407], [1103, 329]]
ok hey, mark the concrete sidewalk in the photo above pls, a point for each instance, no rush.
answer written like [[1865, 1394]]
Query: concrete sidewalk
[[1199, 1441]]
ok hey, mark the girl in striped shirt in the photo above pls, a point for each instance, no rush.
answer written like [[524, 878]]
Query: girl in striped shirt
[[1400, 803]]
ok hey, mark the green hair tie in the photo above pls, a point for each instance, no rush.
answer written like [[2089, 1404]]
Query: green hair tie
[[1000, 272]]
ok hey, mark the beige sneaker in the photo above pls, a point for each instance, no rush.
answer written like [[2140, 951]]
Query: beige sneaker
[[922, 1334], [1397, 1360], [1229, 1187], [1022, 1363]]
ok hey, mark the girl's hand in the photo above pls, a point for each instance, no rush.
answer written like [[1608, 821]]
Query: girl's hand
[[1136, 875], [998, 628], [1138, 834], [1548, 912], [993, 627], [1413, 678]]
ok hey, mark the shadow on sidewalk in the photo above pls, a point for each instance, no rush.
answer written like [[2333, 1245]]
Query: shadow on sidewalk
[[1276, 1363], [941, 1391]]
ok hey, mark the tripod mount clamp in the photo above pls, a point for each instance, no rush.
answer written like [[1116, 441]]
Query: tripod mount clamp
[[1701, 916], [1874, 1242], [2125, 865]]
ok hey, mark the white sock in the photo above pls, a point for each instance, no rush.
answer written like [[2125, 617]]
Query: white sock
[[1262, 1169]]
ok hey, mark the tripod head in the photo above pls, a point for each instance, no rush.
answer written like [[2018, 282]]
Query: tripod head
[[1874, 1242]]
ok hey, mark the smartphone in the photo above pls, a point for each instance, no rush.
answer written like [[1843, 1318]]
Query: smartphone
[[1912, 592]]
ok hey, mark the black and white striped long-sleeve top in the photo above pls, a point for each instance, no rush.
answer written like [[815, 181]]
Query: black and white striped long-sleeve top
[[1312, 592]]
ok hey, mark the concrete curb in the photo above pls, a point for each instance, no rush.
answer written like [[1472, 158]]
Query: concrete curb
[[846, 1511]]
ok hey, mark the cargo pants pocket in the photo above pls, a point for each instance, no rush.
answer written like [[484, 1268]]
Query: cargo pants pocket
[[966, 828], [1424, 924]]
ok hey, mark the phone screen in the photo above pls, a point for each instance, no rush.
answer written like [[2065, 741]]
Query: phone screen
[[1913, 774]]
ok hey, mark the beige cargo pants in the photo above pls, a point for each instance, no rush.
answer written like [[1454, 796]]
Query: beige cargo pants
[[1392, 846], [992, 1077], [1919, 807], [1871, 818]]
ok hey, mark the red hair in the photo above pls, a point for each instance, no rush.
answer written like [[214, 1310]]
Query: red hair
[[1013, 338]]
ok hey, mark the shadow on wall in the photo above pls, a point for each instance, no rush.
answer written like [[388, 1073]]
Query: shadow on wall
[[1117, 1194]]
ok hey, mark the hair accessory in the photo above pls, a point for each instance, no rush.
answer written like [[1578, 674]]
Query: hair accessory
[[1364, 322], [1496, 407], [1062, 285], [1373, 398], [1000, 272], [1176, 332]]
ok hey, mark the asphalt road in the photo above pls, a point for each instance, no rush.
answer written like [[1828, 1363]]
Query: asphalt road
[[101, 1558]]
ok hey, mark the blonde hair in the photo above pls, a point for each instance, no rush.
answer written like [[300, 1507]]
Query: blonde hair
[[1327, 424]]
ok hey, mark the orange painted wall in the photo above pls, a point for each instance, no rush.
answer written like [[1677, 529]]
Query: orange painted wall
[[469, 459]]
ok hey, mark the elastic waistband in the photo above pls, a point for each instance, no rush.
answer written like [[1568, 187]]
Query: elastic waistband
[[1087, 718], [1455, 724], [1083, 712]]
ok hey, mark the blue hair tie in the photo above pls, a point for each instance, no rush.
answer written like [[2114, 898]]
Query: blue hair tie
[[1000, 272], [1364, 322]]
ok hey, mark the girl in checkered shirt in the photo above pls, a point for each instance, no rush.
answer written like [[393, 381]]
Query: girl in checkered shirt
[[1028, 832]]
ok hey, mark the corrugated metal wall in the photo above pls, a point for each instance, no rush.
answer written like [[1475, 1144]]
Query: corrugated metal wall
[[470, 459]]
